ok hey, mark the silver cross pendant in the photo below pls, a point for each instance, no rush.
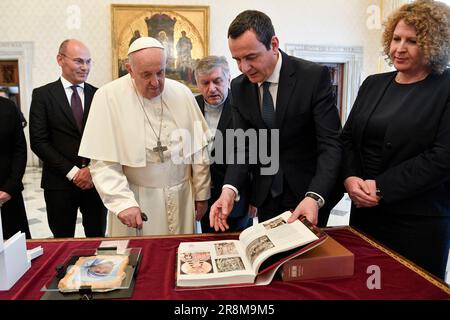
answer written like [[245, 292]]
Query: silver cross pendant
[[160, 149]]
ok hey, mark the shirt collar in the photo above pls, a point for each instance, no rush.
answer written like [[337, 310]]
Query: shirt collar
[[214, 107], [67, 84], [275, 76]]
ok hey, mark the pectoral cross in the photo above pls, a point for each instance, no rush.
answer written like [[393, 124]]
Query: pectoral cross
[[160, 149]]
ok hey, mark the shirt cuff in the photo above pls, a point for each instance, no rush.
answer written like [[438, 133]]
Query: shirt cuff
[[229, 186], [72, 173]]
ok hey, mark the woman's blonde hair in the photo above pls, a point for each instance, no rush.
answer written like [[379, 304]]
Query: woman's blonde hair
[[431, 19]]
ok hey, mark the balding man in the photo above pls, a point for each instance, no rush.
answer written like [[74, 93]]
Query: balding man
[[57, 116], [148, 140]]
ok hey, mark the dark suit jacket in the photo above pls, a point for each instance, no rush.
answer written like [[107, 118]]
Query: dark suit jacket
[[54, 135], [218, 170], [415, 160], [309, 146], [13, 153]]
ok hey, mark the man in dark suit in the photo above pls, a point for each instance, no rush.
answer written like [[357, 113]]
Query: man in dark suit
[[57, 116], [213, 81], [13, 160], [289, 102]]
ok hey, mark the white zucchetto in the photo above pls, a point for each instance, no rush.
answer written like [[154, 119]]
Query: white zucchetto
[[143, 43]]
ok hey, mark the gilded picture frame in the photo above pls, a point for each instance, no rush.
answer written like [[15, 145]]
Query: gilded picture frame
[[183, 30]]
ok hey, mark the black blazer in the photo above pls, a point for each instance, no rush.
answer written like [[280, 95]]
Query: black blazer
[[13, 153], [415, 160], [54, 136], [310, 150], [218, 170]]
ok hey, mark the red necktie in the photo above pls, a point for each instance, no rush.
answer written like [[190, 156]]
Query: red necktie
[[77, 108]]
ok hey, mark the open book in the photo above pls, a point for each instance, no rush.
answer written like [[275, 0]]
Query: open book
[[251, 260]]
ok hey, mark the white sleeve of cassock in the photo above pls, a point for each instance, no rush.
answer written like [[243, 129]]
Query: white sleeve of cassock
[[112, 186], [201, 177]]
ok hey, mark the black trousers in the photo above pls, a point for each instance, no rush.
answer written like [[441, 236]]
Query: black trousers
[[424, 240], [14, 217], [62, 207]]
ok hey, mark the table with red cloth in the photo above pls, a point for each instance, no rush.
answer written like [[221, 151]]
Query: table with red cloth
[[400, 279]]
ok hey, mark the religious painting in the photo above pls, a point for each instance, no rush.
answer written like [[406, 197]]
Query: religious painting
[[182, 30], [9, 73]]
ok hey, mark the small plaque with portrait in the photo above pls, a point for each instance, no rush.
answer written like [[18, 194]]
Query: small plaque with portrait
[[98, 271], [102, 272]]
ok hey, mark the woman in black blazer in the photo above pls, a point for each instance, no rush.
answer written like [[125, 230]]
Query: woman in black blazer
[[397, 140], [13, 160]]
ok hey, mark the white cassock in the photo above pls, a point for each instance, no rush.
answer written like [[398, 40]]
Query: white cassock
[[119, 140]]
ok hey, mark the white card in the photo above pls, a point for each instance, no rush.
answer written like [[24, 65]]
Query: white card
[[121, 245]]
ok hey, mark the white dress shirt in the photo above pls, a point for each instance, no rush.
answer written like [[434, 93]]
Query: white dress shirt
[[68, 90]]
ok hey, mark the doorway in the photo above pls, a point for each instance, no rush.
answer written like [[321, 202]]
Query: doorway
[[9, 80], [16, 60]]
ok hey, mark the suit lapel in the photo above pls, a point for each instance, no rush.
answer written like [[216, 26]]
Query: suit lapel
[[372, 103], [201, 103], [250, 103], [286, 85], [225, 117], [59, 95], [88, 95]]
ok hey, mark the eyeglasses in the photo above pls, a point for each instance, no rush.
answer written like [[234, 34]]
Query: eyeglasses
[[78, 61]]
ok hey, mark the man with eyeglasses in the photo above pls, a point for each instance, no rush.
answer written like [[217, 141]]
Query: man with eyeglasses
[[58, 113]]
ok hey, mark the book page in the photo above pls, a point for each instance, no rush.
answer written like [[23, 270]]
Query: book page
[[212, 263], [273, 236]]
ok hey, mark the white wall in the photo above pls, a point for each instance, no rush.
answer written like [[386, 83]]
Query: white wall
[[44, 23], [327, 22]]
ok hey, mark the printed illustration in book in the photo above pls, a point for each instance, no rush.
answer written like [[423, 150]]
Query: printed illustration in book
[[251, 260]]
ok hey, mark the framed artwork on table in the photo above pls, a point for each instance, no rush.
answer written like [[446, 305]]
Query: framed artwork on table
[[183, 30]]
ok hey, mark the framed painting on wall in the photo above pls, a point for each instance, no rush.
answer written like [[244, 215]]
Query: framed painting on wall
[[183, 30]]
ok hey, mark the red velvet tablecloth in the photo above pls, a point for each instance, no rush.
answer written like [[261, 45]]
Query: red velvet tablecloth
[[156, 276]]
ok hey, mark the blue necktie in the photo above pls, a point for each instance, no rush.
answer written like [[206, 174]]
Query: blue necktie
[[77, 108], [268, 115], [268, 110]]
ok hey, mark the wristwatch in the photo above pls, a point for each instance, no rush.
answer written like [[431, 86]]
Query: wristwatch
[[379, 193], [315, 196]]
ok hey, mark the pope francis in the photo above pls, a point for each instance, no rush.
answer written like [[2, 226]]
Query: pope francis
[[131, 137]]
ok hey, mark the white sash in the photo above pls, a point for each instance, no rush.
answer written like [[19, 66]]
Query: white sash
[[158, 175]]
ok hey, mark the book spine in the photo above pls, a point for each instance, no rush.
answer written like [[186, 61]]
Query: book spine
[[304, 269]]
